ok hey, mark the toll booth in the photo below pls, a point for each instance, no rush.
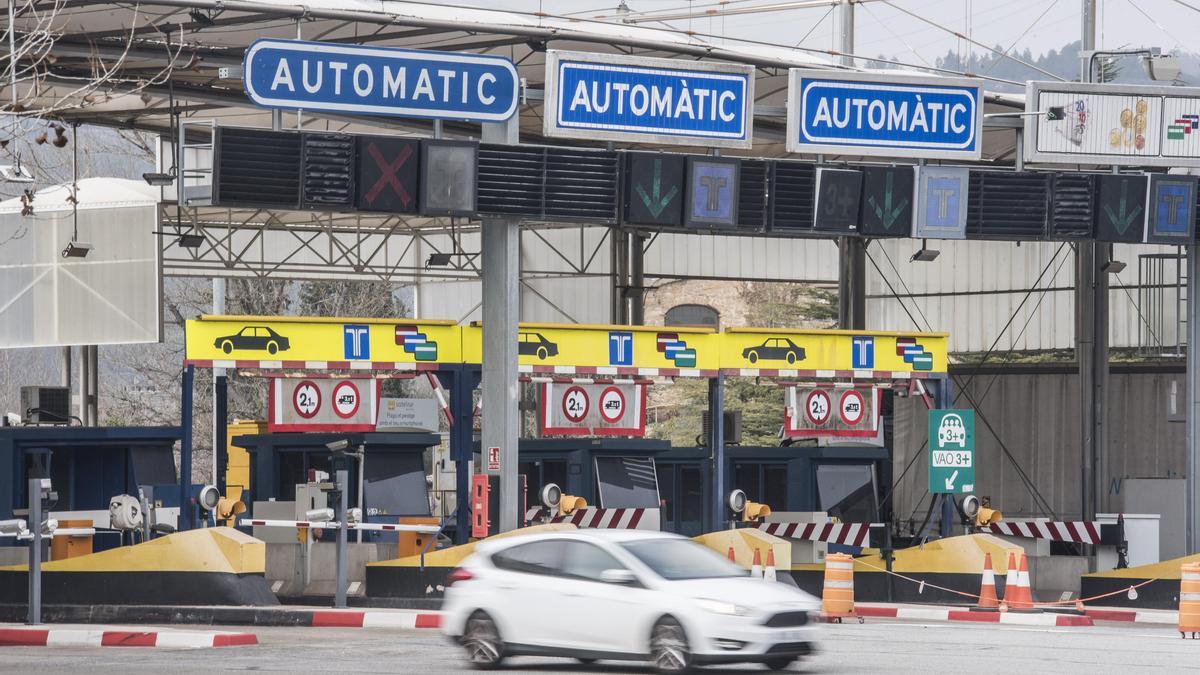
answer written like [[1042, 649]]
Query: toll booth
[[393, 473], [87, 467], [842, 481]]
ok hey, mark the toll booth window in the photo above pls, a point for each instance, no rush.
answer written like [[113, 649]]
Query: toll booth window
[[627, 482], [395, 484], [153, 466], [847, 491]]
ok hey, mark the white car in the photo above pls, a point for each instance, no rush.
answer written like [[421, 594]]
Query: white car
[[622, 594]]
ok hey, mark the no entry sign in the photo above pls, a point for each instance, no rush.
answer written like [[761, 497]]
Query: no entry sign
[[323, 404]]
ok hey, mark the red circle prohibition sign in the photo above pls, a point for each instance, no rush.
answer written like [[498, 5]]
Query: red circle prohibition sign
[[306, 399], [852, 396], [338, 391], [619, 412], [820, 414], [574, 409]]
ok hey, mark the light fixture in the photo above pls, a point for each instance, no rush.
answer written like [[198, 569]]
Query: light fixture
[[1113, 267], [438, 260], [1161, 67], [158, 179], [76, 249], [190, 240], [339, 447], [15, 174], [925, 254]]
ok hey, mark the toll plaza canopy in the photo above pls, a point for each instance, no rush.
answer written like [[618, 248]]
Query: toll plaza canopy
[[306, 343], [132, 48]]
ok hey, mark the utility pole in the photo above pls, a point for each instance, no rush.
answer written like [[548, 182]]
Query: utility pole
[[1091, 330], [852, 251]]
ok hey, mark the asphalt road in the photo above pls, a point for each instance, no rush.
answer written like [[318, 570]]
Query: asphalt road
[[879, 646]]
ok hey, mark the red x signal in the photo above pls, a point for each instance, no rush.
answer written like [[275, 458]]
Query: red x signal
[[387, 174]]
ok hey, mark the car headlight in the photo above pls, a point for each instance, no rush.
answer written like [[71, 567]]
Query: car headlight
[[726, 608]]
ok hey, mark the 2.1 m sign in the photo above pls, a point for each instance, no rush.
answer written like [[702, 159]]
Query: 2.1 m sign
[[881, 115]]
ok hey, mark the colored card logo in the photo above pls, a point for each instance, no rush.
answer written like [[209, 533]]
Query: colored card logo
[[862, 352], [415, 343], [620, 348], [914, 354], [356, 341], [676, 350], [1183, 127]]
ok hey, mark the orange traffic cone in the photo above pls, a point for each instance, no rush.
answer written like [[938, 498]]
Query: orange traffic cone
[[769, 571], [756, 570], [987, 588], [1021, 599], [732, 557], [1010, 581]]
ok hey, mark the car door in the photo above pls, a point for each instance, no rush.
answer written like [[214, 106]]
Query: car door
[[597, 615], [526, 607]]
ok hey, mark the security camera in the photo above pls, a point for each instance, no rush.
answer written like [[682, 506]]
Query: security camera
[[77, 249], [1163, 68]]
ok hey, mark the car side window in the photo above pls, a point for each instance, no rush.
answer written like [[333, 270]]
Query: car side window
[[582, 560], [538, 557]]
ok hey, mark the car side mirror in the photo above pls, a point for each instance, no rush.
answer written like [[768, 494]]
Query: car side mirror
[[618, 576]]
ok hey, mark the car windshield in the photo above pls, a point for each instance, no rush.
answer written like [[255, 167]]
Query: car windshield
[[679, 559]]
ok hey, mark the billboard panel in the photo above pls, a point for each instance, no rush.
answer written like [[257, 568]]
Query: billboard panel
[[1112, 124]]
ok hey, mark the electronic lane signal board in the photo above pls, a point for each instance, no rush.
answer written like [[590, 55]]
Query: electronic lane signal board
[[654, 188]]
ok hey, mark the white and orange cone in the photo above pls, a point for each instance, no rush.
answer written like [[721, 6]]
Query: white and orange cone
[[1010, 581], [987, 588], [769, 573], [756, 570]]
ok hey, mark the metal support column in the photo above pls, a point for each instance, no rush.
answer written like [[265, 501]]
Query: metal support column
[[619, 275], [1091, 329], [852, 251], [637, 279], [85, 383], [716, 441], [501, 312], [34, 617], [339, 574], [94, 385], [66, 369], [185, 449], [460, 383], [220, 400], [945, 400], [1192, 466]]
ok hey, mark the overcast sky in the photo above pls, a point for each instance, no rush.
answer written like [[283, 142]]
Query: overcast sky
[[883, 28]]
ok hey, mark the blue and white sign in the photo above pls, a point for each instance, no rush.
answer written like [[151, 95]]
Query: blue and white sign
[[941, 209], [295, 74], [884, 115], [632, 99]]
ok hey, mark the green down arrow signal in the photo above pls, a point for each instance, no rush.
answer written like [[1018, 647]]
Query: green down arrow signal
[[886, 214], [1124, 220], [656, 201]]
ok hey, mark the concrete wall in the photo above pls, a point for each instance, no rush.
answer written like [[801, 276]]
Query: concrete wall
[[1035, 414]]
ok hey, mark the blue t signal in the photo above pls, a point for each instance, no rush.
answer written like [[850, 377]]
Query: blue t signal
[[620, 348], [356, 341], [862, 353]]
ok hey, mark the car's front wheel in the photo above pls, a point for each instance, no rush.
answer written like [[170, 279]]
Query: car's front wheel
[[669, 647], [779, 662], [481, 639]]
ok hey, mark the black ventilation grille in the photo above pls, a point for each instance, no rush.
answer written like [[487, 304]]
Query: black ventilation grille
[[792, 196], [328, 173], [752, 195], [511, 180], [256, 167], [1073, 212], [1007, 205], [581, 185]]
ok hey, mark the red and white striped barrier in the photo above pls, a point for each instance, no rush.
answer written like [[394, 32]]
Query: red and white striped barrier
[[910, 613], [594, 517], [849, 534], [381, 527], [87, 637], [360, 619], [1078, 531]]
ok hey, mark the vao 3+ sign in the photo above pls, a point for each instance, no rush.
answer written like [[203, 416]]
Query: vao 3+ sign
[[951, 451], [301, 75], [882, 115]]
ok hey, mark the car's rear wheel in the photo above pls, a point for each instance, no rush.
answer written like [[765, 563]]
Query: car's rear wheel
[[481, 639], [542, 353], [272, 347], [779, 662], [669, 651], [791, 357], [753, 358]]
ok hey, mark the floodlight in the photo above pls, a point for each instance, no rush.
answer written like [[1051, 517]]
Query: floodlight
[[210, 496], [551, 496], [438, 260], [190, 240], [15, 526], [1161, 67], [201, 18], [77, 249], [158, 179], [338, 448], [1113, 267], [925, 254], [737, 501]]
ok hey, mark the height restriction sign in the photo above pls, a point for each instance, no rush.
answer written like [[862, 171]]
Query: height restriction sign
[[951, 451]]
